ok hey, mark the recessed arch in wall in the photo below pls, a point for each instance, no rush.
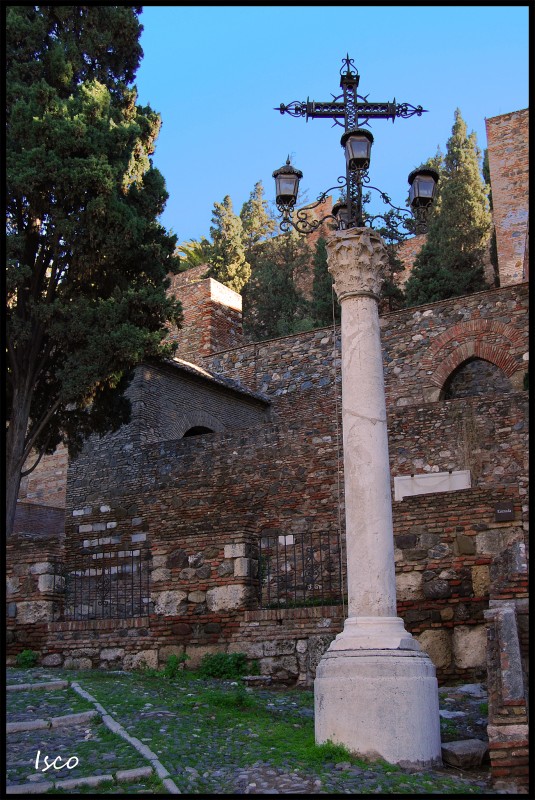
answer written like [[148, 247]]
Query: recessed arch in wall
[[197, 422], [483, 339], [473, 377]]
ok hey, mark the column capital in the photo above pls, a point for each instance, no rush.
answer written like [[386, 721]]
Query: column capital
[[356, 259]]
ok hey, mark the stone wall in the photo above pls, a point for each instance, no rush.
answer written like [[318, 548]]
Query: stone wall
[[507, 138], [31, 602], [167, 401], [508, 668], [422, 346]]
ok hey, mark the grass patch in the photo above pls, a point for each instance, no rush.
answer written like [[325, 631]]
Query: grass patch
[[197, 725], [47, 703]]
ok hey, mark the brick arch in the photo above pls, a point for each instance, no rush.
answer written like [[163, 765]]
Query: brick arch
[[488, 340], [197, 418]]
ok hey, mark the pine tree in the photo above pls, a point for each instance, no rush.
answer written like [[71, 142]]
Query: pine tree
[[86, 258], [228, 263], [450, 263], [257, 221], [272, 305]]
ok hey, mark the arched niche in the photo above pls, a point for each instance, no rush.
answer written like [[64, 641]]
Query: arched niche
[[475, 377]]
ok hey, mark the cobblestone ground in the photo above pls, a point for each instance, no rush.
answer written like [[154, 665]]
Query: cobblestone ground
[[100, 752]]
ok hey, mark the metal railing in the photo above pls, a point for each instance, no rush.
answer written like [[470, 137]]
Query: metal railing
[[105, 585], [300, 570]]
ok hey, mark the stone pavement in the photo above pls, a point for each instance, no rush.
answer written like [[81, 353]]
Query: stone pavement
[[132, 766]]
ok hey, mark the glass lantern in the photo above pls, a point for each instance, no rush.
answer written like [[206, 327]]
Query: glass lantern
[[287, 184], [357, 145], [423, 183]]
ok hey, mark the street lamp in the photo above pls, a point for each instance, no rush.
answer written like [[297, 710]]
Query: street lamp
[[374, 670], [355, 111]]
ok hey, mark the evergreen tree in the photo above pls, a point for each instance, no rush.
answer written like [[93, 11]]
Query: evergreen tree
[[86, 258], [272, 305], [228, 263], [257, 221], [450, 263], [493, 249], [321, 306], [193, 253]]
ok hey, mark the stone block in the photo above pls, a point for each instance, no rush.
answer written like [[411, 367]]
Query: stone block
[[227, 598], [169, 650], [470, 646], [242, 567], [235, 550], [34, 611], [168, 603], [145, 658], [52, 660], [436, 589], [187, 574], [12, 586], [437, 645], [251, 649], [160, 574], [133, 774], [279, 647], [480, 580], [465, 545], [74, 719], [40, 787], [409, 585], [280, 667], [225, 568], [465, 753], [46, 583], [196, 653], [111, 653], [197, 597], [41, 567], [92, 780]]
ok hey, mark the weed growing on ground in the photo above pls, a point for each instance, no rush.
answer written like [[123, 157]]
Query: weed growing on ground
[[27, 659], [226, 665]]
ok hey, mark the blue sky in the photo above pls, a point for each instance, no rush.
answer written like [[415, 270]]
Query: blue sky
[[215, 74]]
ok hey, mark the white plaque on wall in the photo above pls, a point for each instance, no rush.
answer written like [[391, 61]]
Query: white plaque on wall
[[430, 482]]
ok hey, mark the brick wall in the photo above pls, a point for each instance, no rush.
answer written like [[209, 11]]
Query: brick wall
[[212, 318], [507, 138], [46, 485]]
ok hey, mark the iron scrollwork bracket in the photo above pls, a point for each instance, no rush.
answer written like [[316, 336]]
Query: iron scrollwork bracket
[[302, 223]]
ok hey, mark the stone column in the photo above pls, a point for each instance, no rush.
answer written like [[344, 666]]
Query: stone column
[[375, 691]]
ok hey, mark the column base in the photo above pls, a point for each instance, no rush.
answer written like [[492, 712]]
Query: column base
[[374, 633], [379, 704]]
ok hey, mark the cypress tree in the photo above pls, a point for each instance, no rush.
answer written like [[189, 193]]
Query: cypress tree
[[493, 243], [86, 258], [227, 262], [273, 306], [450, 263], [321, 307]]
